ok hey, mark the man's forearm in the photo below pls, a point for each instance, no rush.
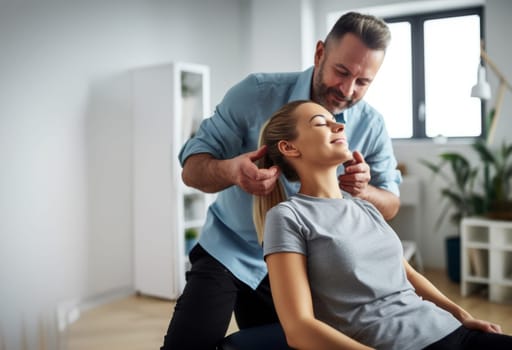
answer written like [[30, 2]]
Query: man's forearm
[[386, 202], [207, 174]]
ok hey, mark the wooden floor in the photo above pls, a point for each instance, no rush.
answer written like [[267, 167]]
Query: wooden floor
[[139, 323]]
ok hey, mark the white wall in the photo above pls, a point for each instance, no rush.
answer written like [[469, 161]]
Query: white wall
[[65, 134], [274, 37]]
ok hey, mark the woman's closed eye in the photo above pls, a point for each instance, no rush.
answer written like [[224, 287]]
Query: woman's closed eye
[[321, 120]]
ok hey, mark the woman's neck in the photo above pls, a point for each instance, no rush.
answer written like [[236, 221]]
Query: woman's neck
[[323, 184]]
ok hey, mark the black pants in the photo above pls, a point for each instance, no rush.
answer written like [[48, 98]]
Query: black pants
[[203, 312], [466, 339]]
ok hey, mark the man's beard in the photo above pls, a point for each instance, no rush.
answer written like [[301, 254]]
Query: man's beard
[[340, 101], [330, 98]]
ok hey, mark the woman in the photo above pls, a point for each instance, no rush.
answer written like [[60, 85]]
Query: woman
[[336, 270]]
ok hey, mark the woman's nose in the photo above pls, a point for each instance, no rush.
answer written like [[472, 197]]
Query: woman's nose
[[338, 127]]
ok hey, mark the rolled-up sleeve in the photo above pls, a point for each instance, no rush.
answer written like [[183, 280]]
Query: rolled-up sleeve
[[383, 164], [222, 134]]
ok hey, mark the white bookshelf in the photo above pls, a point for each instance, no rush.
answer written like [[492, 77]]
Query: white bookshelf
[[487, 258], [169, 102]]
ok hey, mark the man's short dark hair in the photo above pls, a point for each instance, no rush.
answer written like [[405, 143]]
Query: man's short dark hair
[[372, 31]]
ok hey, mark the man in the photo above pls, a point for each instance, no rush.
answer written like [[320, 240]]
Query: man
[[228, 272]]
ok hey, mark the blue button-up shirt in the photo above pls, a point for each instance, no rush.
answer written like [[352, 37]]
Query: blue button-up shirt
[[228, 233]]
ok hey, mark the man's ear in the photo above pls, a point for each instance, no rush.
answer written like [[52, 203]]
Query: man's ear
[[319, 52], [288, 149]]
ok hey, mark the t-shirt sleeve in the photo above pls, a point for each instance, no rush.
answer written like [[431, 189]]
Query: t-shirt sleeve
[[283, 232]]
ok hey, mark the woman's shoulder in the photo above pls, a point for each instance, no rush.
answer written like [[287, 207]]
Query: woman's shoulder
[[283, 208], [367, 207], [291, 209]]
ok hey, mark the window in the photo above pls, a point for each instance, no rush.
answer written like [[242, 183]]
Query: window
[[423, 87]]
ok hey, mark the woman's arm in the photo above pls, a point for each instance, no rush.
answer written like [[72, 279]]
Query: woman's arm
[[428, 291], [292, 298]]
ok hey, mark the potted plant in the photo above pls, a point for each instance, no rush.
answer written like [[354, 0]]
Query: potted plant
[[459, 194], [493, 200], [497, 174]]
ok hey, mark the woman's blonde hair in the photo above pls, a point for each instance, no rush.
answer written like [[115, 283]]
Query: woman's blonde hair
[[281, 126]]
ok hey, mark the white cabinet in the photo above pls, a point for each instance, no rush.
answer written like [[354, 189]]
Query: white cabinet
[[487, 258], [169, 102]]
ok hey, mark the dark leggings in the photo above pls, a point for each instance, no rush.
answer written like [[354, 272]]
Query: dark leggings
[[467, 339], [203, 311]]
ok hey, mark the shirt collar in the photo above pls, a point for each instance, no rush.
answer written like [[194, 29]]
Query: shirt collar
[[341, 118], [302, 88]]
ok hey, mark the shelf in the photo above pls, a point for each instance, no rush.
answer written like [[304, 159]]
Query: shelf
[[195, 206], [477, 234], [505, 248], [475, 288], [169, 102], [477, 245], [505, 270], [487, 258], [507, 281], [193, 223], [478, 262], [502, 237], [477, 279]]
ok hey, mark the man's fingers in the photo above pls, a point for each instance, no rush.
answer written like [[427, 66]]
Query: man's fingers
[[258, 174], [358, 157], [255, 155], [269, 173], [265, 182], [357, 164], [256, 180]]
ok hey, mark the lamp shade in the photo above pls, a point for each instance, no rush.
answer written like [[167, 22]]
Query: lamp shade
[[482, 89]]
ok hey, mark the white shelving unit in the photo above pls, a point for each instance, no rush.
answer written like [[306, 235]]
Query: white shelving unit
[[169, 102], [487, 258]]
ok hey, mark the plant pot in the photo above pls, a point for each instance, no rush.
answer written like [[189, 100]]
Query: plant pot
[[453, 258], [500, 210]]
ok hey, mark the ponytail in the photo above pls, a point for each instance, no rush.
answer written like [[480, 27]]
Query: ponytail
[[262, 204], [281, 126]]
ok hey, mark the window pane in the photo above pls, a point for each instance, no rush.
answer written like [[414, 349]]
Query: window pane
[[391, 91], [452, 51]]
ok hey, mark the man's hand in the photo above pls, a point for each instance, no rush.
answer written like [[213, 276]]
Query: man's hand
[[249, 177], [207, 174], [356, 180], [356, 177]]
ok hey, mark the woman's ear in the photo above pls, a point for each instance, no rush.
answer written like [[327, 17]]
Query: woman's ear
[[288, 149]]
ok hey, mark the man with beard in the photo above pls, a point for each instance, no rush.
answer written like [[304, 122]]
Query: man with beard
[[228, 271]]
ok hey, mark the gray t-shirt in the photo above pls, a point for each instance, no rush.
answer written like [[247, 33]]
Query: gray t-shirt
[[356, 272]]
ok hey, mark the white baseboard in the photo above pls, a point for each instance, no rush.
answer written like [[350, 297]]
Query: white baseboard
[[69, 311]]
